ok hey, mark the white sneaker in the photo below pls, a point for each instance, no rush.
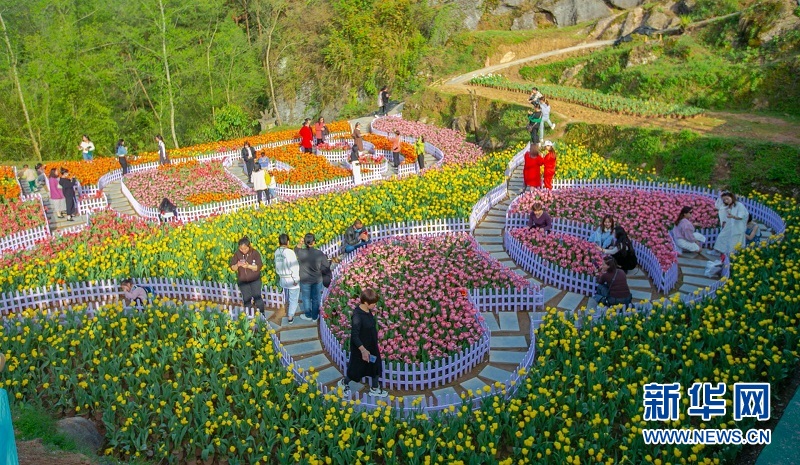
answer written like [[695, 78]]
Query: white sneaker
[[306, 317], [553, 126], [378, 392]]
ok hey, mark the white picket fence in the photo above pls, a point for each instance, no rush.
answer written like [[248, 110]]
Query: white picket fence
[[29, 237]]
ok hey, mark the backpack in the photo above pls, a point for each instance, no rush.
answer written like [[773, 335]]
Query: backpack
[[148, 290]]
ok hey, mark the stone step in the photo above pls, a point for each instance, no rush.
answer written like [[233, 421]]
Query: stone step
[[550, 293], [447, 393], [641, 295], [485, 240], [495, 374], [508, 321], [317, 361], [506, 357], [298, 322], [300, 334], [571, 301], [700, 281], [329, 375], [639, 283], [502, 256], [491, 322], [303, 348], [494, 248], [508, 342], [473, 384]]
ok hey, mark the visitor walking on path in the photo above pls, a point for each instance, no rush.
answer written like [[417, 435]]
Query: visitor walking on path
[[419, 148], [122, 156], [249, 158], [396, 149], [685, 236], [306, 136], [532, 169], [365, 356], [383, 101], [534, 121], [288, 270], [57, 202], [540, 219], [259, 180], [163, 158], [733, 219], [29, 175], [86, 147], [549, 161], [41, 178], [545, 106], [68, 189], [358, 139], [272, 185], [246, 263], [313, 263]]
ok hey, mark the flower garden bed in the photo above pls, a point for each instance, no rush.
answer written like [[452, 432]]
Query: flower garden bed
[[593, 99], [415, 279], [569, 252], [9, 185], [646, 216], [185, 184], [455, 148]]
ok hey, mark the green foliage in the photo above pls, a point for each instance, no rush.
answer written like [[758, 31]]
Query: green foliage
[[705, 9], [33, 422], [230, 122], [738, 164]]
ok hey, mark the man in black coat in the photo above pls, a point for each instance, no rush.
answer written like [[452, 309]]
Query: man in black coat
[[249, 158]]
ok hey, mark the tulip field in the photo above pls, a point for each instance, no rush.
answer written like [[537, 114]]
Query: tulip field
[[564, 250], [186, 382]]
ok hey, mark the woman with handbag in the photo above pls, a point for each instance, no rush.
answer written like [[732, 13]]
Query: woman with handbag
[[612, 286], [57, 201], [365, 355]]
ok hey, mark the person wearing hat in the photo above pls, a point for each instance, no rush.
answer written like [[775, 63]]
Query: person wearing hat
[[549, 163]]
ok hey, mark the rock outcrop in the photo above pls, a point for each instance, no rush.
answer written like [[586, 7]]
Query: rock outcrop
[[82, 431], [526, 21], [571, 12]]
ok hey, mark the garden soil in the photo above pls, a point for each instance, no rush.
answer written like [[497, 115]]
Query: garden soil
[[35, 453]]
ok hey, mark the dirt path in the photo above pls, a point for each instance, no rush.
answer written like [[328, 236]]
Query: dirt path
[[727, 124]]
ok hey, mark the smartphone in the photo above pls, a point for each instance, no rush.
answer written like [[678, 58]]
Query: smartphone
[[372, 358]]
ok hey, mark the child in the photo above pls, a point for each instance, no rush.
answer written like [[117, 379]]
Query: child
[[29, 175], [133, 293]]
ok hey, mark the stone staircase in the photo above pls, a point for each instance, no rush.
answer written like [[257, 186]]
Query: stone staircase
[[510, 339], [117, 200]]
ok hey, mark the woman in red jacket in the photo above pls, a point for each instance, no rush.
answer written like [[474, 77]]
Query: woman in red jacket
[[549, 162], [306, 135], [532, 170]]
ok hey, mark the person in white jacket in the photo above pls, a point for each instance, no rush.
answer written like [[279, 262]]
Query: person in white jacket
[[733, 220], [259, 180], [288, 270]]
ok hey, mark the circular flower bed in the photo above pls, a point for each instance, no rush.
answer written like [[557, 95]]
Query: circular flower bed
[[185, 184], [423, 316]]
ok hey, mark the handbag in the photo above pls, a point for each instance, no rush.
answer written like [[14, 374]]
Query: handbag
[[529, 127]]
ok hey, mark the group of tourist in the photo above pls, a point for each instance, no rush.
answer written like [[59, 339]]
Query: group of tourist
[[64, 189], [540, 154]]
